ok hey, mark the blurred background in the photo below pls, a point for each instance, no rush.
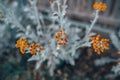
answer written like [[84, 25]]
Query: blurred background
[[14, 66]]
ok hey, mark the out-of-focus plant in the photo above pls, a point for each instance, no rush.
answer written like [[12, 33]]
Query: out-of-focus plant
[[116, 69], [55, 42], [115, 39], [6, 35]]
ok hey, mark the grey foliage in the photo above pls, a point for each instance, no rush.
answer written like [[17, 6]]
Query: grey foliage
[[115, 40], [116, 69], [103, 61]]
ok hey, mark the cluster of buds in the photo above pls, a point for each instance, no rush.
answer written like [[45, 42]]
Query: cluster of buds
[[99, 45], [35, 48], [100, 6], [23, 45], [61, 38], [1, 15]]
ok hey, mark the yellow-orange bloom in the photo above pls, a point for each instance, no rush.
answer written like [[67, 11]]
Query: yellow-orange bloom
[[99, 45], [60, 38], [22, 44], [100, 6], [35, 48]]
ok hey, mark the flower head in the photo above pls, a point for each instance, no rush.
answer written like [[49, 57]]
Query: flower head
[[99, 45], [22, 44], [35, 48], [60, 38], [100, 6]]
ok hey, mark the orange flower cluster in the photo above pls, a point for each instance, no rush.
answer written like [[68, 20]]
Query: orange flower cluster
[[60, 38], [100, 6], [1, 15], [35, 48], [22, 44], [99, 45]]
